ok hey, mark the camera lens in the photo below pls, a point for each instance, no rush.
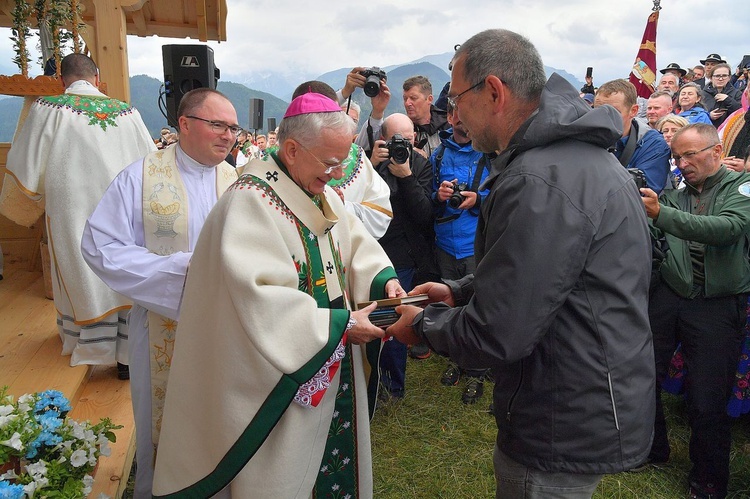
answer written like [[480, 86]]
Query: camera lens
[[372, 86]]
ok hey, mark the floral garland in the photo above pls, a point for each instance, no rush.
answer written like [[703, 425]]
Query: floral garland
[[45, 454], [20, 32]]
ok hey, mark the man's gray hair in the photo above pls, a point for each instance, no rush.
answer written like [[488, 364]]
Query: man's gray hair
[[307, 128], [507, 55]]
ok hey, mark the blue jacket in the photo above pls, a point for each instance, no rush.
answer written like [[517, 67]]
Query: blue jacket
[[651, 154], [696, 115], [456, 237]]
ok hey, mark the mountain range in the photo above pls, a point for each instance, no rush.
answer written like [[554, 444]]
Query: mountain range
[[275, 90]]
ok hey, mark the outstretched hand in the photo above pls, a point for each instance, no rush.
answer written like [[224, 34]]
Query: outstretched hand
[[364, 331], [401, 329], [435, 291]]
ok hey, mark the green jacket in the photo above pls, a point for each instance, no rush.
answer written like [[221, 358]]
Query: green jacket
[[724, 229]]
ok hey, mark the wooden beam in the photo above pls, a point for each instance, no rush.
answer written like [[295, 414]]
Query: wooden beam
[[140, 23], [110, 51], [201, 20]]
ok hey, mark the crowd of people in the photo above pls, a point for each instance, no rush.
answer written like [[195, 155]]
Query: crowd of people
[[584, 250]]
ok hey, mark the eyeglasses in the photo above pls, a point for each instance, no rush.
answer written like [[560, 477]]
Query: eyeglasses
[[453, 101], [689, 155], [720, 76], [218, 127], [329, 168]]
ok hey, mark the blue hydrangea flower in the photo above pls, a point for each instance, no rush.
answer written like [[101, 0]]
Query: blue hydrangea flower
[[10, 491]]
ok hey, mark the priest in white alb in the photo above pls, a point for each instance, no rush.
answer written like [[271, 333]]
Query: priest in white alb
[[140, 238], [268, 388]]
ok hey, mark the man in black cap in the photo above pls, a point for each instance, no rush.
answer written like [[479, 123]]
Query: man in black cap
[[709, 63], [676, 70]]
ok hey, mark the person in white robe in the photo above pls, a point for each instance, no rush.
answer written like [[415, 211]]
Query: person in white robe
[[268, 388], [67, 152], [127, 243]]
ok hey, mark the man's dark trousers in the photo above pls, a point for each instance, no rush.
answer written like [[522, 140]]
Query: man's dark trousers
[[711, 331]]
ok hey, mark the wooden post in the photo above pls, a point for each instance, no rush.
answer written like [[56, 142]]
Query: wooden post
[[109, 50]]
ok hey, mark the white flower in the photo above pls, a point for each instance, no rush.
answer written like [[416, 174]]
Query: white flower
[[29, 489], [346, 460], [324, 468], [335, 487], [37, 470], [88, 482], [14, 441], [9, 475], [4, 420], [5, 410], [79, 458], [26, 398], [334, 452], [104, 448]]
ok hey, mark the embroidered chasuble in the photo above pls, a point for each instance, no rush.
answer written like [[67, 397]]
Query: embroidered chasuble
[[62, 160], [282, 269], [366, 194], [165, 224]]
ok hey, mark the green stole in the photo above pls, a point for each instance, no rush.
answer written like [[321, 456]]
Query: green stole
[[165, 227]]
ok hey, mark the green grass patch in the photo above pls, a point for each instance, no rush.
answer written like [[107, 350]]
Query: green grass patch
[[431, 445]]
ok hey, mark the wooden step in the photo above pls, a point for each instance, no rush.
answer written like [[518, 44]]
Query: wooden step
[[30, 361]]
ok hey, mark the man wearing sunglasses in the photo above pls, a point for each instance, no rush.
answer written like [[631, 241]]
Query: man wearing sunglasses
[[139, 241], [700, 298]]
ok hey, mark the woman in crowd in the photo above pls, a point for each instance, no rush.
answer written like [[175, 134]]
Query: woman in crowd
[[689, 101], [667, 126], [721, 97]]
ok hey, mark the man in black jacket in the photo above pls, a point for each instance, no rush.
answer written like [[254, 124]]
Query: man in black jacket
[[408, 242], [558, 305]]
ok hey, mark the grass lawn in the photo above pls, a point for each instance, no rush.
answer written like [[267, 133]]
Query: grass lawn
[[430, 445]]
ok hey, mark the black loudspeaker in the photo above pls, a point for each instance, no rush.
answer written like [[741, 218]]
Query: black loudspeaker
[[186, 67], [271, 124], [256, 114]]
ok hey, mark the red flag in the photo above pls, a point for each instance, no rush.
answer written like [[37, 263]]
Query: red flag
[[643, 74]]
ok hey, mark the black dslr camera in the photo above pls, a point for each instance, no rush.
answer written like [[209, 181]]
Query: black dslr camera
[[399, 149], [457, 198], [639, 177], [373, 76]]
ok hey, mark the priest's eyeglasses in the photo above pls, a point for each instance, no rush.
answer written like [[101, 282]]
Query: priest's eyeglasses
[[218, 127], [329, 168]]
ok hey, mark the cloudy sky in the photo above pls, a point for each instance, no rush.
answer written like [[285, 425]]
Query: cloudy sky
[[300, 38]]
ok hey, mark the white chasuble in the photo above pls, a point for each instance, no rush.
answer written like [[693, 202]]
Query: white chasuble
[[165, 227], [62, 160], [265, 307]]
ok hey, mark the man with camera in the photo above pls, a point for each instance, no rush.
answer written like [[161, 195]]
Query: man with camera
[[700, 298], [373, 82], [639, 147], [458, 171], [408, 240]]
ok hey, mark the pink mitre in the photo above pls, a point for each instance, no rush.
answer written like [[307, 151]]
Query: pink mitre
[[311, 103]]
